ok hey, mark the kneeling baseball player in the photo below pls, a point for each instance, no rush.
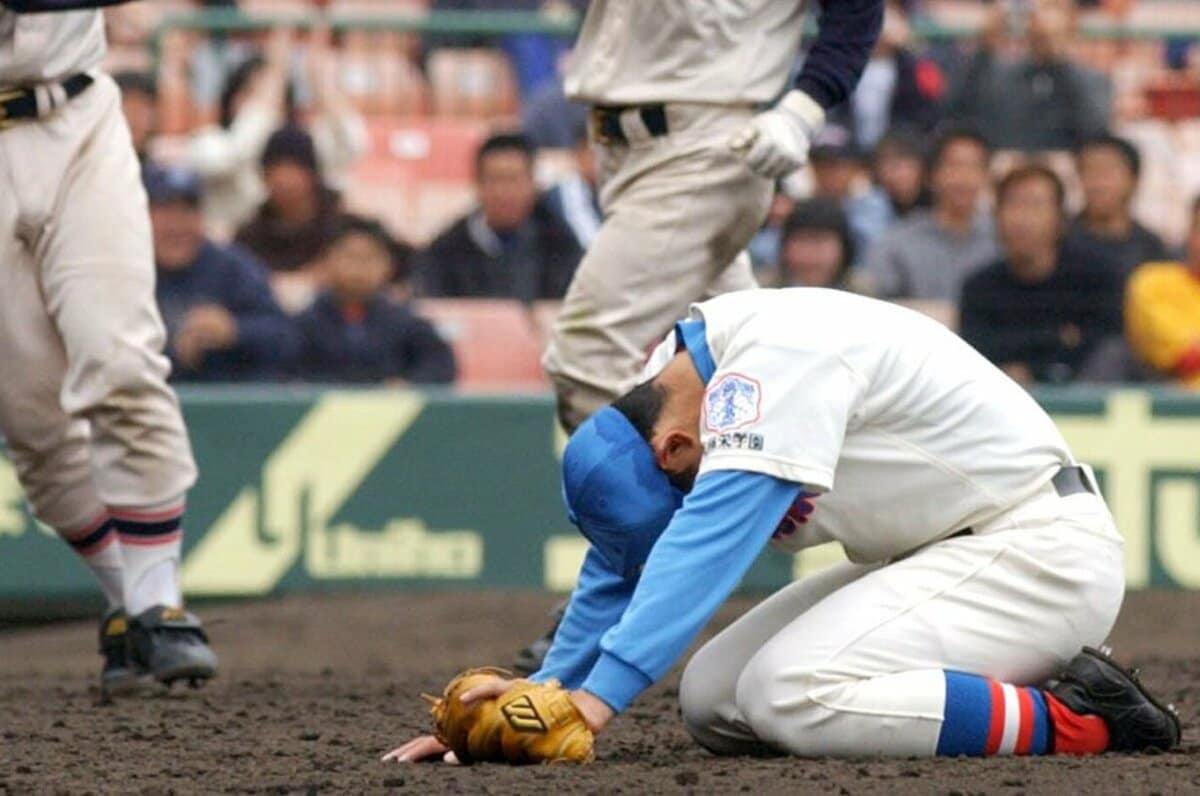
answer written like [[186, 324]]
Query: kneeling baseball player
[[984, 567]]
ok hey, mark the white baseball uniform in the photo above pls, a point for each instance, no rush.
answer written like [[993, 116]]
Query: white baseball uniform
[[679, 206], [906, 436], [982, 557], [91, 426]]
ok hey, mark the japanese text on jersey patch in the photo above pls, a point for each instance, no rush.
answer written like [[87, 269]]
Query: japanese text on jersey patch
[[733, 401]]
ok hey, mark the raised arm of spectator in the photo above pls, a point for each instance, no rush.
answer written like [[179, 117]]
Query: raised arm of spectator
[[215, 152], [338, 129]]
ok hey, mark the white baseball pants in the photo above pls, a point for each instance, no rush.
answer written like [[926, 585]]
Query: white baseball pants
[[849, 662], [678, 210], [84, 405]]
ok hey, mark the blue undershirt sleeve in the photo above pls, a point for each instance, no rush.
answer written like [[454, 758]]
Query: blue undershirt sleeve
[[846, 34], [724, 524], [599, 600]]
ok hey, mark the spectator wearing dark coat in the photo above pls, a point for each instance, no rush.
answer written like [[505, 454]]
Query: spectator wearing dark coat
[[222, 322], [1043, 310], [354, 332], [293, 226], [513, 246], [1040, 102], [1108, 169]]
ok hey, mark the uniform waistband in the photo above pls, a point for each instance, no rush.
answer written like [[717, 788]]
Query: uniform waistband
[[1068, 482], [634, 124], [22, 104]]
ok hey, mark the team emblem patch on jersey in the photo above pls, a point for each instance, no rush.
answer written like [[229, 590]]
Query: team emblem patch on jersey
[[734, 401]]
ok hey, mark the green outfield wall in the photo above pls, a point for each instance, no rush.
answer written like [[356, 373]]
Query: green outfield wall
[[305, 491]]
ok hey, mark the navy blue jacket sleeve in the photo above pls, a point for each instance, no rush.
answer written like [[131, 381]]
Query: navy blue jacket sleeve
[[597, 604], [421, 355], [266, 336], [847, 32], [710, 543]]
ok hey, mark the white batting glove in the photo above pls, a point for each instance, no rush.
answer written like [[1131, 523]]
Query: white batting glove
[[775, 143]]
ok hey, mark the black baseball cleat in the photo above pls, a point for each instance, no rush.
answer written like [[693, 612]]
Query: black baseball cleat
[[171, 645], [120, 674], [530, 659], [1094, 684]]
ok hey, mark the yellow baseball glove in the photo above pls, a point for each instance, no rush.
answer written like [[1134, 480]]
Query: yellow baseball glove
[[529, 723]]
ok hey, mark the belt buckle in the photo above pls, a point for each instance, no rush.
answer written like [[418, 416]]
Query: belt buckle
[[5, 96]]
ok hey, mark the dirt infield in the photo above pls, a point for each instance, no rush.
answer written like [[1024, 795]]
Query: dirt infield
[[314, 689]]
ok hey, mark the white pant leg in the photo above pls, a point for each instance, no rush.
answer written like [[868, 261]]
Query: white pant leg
[[708, 690], [678, 210], [48, 448], [83, 225], [860, 673]]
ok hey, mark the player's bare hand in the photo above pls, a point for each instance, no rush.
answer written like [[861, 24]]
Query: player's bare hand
[[424, 748], [488, 690], [595, 711], [776, 143]]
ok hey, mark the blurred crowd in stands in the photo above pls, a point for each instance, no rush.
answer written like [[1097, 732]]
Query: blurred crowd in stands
[[977, 179]]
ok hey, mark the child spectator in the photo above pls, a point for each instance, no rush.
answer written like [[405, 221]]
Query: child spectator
[[1109, 168], [1162, 312], [1045, 307], [222, 322], [354, 333]]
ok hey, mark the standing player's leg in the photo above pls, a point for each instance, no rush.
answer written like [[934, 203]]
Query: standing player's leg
[[96, 269], [678, 210], [50, 450], [944, 652]]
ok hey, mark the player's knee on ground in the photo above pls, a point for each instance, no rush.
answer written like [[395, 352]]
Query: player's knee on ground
[[791, 706], [701, 691]]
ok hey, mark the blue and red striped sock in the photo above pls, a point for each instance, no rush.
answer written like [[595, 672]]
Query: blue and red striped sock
[[986, 717]]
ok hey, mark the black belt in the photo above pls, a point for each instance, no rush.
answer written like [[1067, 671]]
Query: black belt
[[1067, 481], [606, 121], [1072, 481], [22, 103]]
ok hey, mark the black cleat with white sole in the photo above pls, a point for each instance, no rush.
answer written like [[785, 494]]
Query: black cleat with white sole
[[1094, 684], [171, 645]]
